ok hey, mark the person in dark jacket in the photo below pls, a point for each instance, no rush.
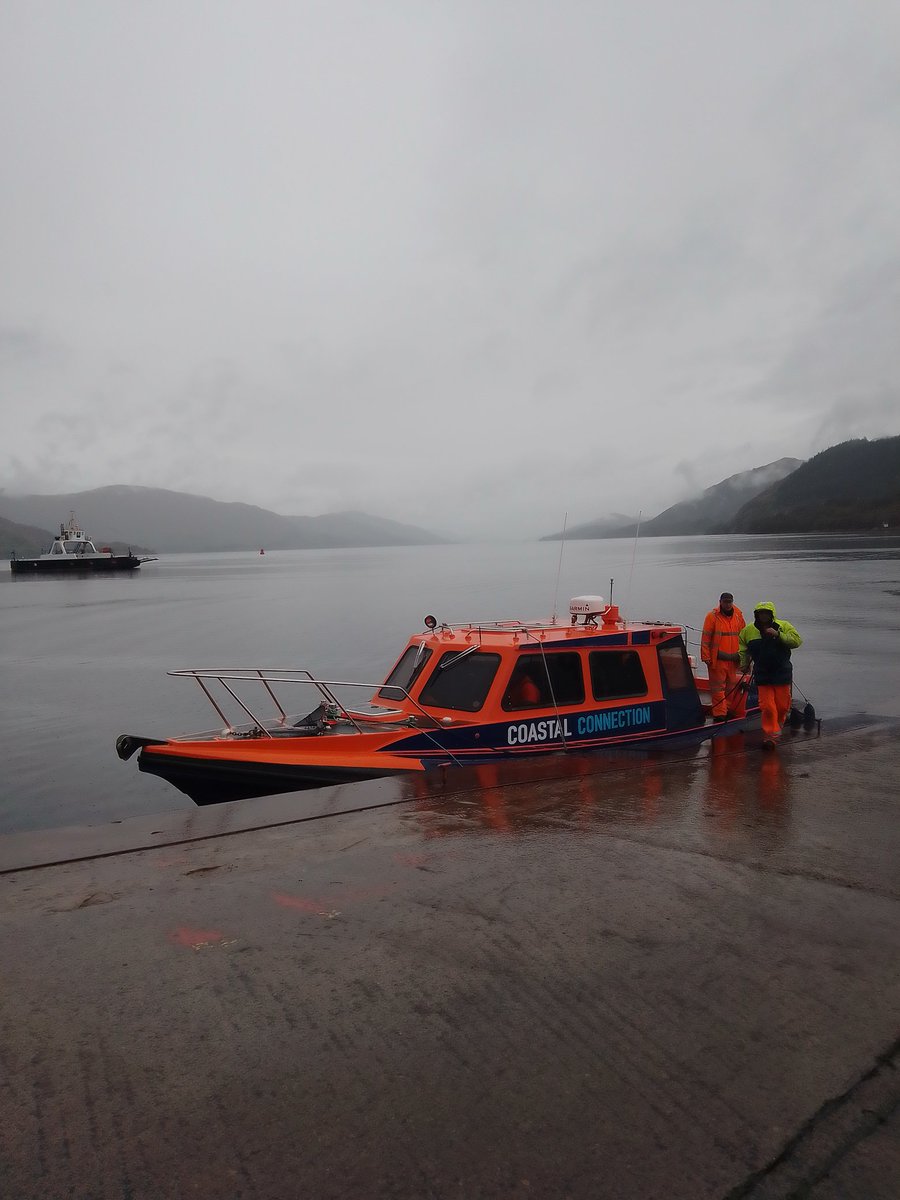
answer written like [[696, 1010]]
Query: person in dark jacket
[[767, 644]]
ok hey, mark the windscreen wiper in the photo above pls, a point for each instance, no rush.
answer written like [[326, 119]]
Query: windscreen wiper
[[445, 666]]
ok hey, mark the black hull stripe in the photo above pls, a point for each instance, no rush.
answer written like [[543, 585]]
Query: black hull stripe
[[209, 781]]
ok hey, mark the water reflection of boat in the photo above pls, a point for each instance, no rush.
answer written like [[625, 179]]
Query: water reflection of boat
[[742, 802], [574, 792], [459, 695], [73, 553]]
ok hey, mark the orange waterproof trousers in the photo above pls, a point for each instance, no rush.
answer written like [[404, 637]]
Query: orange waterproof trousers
[[775, 702], [728, 700]]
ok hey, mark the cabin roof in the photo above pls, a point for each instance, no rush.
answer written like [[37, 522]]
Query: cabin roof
[[527, 635]]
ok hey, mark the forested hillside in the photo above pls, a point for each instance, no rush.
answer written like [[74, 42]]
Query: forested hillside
[[854, 486]]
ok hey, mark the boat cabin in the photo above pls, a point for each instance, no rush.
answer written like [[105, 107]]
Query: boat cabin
[[72, 540], [596, 679]]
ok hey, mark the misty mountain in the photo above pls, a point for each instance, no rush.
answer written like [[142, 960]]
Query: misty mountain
[[177, 521], [717, 505], [853, 486], [358, 529], [26, 540], [707, 513], [603, 527]]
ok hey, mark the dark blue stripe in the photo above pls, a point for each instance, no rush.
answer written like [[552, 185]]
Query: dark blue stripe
[[599, 639], [494, 738]]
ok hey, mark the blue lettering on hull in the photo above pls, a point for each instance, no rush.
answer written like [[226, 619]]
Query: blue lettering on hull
[[608, 720], [547, 733]]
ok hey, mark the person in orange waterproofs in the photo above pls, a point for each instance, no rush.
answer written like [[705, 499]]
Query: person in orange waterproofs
[[767, 644], [523, 692], [720, 651]]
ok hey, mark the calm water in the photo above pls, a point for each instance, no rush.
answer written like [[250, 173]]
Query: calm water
[[83, 660]]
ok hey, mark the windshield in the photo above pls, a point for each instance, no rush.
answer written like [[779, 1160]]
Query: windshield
[[461, 680], [406, 672]]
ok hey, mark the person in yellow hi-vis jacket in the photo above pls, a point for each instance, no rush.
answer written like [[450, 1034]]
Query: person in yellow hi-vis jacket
[[720, 651], [768, 643]]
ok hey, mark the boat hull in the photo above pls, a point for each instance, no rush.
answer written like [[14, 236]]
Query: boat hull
[[218, 782], [220, 770], [66, 565]]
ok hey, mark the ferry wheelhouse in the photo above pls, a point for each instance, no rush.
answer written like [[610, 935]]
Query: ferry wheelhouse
[[458, 695], [72, 551]]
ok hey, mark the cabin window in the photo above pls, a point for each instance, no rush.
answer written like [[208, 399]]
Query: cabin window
[[461, 680], [675, 666], [545, 681], [616, 674], [406, 672], [683, 708]]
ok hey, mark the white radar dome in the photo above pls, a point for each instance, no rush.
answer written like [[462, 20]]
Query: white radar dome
[[586, 606]]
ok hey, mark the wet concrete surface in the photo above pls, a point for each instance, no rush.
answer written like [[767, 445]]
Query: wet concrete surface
[[673, 977]]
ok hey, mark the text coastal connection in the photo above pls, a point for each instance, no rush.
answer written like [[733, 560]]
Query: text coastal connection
[[608, 721]]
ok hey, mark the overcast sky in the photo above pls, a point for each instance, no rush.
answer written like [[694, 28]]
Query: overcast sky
[[471, 265]]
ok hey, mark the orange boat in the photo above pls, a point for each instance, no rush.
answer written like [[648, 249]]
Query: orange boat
[[459, 694]]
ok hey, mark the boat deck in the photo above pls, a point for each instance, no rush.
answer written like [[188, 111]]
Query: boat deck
[[674, 976]]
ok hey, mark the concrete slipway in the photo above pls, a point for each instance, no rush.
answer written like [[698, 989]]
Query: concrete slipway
[[673, 978]]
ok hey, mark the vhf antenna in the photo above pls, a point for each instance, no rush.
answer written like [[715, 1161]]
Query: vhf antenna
[[637, 534], [562, 546]]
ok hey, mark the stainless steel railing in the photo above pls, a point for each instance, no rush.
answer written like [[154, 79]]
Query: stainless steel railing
[[269, 677]]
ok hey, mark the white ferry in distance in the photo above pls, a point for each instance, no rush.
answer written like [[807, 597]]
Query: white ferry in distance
[[73, 552]]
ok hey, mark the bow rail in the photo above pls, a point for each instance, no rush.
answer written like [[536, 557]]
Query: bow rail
[[269, 677]]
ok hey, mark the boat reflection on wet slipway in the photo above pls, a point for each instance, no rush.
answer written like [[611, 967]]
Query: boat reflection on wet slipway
[[725, 791]]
